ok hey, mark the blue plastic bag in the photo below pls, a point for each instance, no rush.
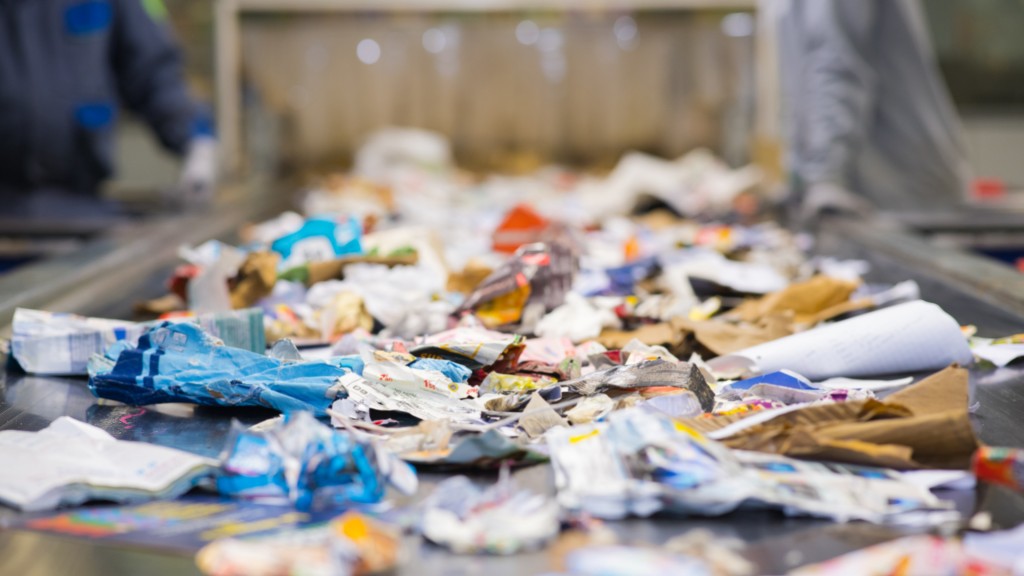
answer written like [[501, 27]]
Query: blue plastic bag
[[311, 465], [181, 363]]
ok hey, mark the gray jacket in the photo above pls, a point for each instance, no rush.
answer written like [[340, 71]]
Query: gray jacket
[[865, 104], [66, 66]]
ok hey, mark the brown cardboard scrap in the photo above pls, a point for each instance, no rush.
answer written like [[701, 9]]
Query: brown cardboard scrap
[[858, 410], [838, 310], [804, 299], [943, 391], [924, 425], [723, 338], [255, 280], [471, 276], [804, 445], [941, 440], [661, 334]]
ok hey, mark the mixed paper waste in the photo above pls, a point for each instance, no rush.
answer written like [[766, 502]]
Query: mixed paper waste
[[662, 363]]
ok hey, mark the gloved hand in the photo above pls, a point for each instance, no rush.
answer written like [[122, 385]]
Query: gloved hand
[[198, 180], [826, 197]]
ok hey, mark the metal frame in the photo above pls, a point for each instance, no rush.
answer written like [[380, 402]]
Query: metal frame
[[228, 37]]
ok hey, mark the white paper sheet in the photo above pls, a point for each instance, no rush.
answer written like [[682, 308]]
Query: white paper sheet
[[910, 337], [937, 479], [999, 354], [861, 384], [70, 462]]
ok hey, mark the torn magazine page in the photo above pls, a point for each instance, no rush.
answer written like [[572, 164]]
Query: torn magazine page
[[638, 464], [378, 396]]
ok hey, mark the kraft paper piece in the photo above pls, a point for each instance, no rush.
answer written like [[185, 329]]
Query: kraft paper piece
[[804, 299], [661, 334], [923, 426], [723, 338], [255, 280], [911, 337], [941, 392]]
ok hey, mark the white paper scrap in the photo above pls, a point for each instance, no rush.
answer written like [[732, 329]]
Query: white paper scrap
[[999, 354], [861, 384], [910, 337], [70, 462], [935, 479]]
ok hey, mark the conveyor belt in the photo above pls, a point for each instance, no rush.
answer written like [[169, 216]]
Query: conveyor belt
[[973, 291]]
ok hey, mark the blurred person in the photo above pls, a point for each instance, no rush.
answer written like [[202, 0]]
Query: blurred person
[[870, 122], [66, 66]]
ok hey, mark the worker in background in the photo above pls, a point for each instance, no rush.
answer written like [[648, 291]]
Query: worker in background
[[66, 66], [870, 122]]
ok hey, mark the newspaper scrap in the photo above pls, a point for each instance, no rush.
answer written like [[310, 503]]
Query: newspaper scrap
[[70, 462], [638, 463], [383, 396]]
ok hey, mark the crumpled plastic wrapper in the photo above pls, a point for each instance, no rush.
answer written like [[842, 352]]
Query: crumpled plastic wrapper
[[310, 465], [498, 520]]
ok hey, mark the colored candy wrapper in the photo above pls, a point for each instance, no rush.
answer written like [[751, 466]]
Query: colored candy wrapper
[[310, 465], [500, 383], [473, 354], [538, 276], [1003, 466]]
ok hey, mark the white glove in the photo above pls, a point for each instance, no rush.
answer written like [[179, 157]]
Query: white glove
[[830, 197], [198, 180]]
